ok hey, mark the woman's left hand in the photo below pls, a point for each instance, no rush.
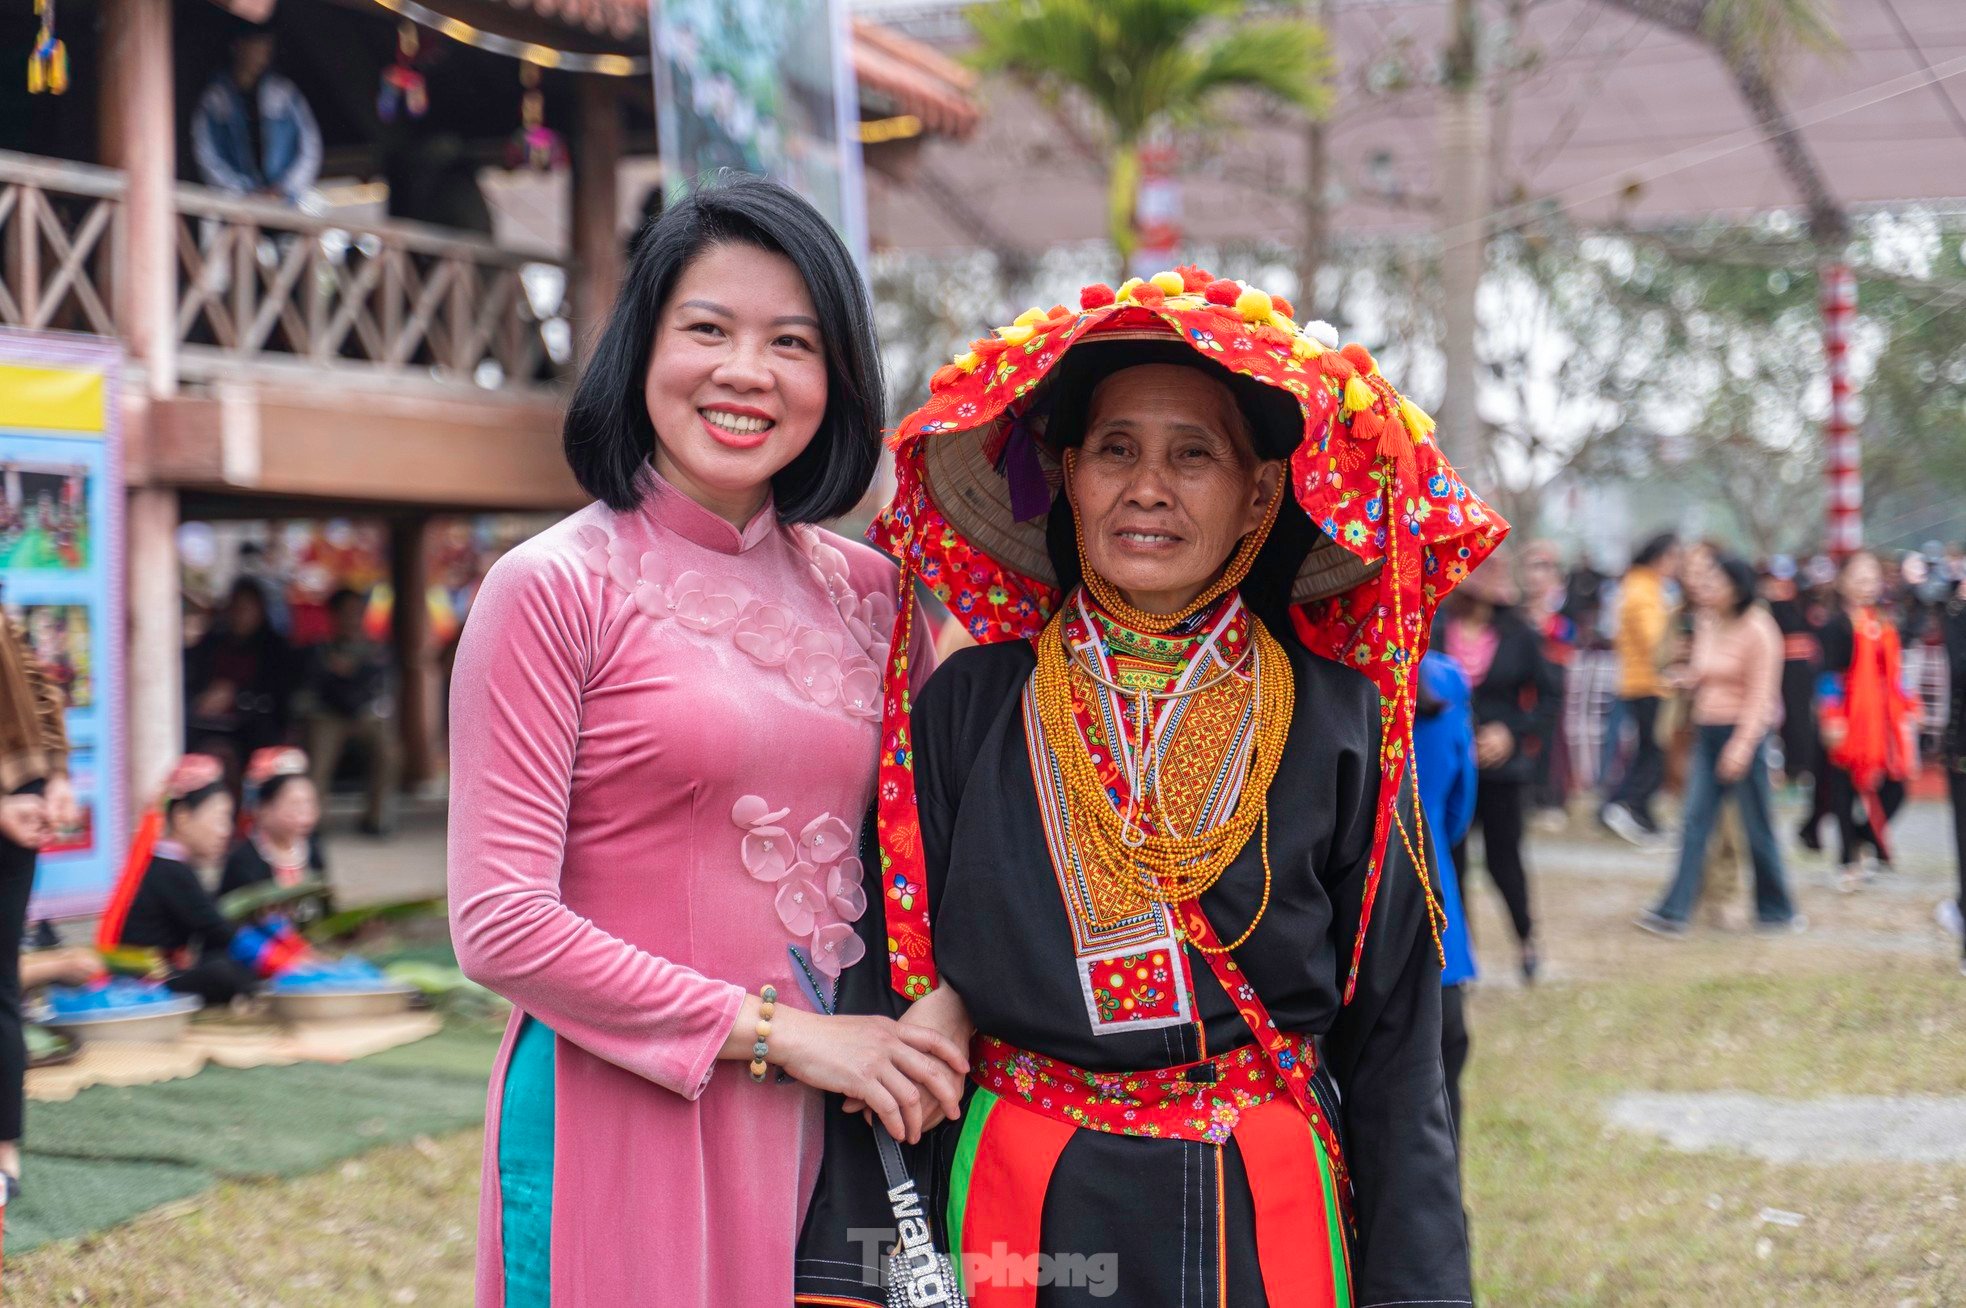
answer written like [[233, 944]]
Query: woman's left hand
[[1731, 768], [941, 1010], [1494, 745]]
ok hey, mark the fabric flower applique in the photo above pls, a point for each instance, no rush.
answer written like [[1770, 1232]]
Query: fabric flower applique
[[813, 665], [836, 947], [616, 560], [801, 900], [768, 850], [765, 633], [702, 604]]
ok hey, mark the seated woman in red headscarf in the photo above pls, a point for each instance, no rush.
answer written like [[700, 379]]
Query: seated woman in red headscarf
[[163, 917], [1161, 823]]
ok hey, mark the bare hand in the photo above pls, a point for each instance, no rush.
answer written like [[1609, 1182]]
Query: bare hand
[[941, 1010], [1730, 769], [24, 820], [898, 1070], [1494, 744], [60, 798]]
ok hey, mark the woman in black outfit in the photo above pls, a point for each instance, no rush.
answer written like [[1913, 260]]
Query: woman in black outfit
[[162, 910], [1953, 750], [1517, 696]]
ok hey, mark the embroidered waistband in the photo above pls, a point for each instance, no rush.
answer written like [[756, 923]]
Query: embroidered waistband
[[1202, 1100]]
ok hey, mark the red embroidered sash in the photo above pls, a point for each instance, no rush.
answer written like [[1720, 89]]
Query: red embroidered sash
[[1200, 1101], [1285, 1055]]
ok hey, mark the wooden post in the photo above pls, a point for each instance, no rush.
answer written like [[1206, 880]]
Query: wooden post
[[139, 136], [597, 260], [416, 699], [155, 655]]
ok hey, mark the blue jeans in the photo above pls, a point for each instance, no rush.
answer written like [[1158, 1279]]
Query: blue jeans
[[1704, 793]]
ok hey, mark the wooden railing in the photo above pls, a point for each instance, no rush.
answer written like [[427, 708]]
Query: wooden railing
[[60, 232], [262, 286]]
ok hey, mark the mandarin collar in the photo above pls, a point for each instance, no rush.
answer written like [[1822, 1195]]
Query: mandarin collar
[[672, 510]]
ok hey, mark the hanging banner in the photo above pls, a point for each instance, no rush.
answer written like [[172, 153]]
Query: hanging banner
[[762, 88], [61, 582]]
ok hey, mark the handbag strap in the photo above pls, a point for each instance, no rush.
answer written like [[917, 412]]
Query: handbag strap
[[1294, 1068], [931, 1275]]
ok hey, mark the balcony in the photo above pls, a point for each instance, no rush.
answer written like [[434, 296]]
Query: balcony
[[264, 286], [320, 358]]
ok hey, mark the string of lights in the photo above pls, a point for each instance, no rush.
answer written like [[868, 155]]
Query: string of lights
[[543, 56]]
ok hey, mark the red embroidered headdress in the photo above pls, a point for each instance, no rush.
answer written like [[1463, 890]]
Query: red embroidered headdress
[[1398, 529]]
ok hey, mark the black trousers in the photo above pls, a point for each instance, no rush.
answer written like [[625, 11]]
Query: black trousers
[[1454, 1049], [1648, 766], [1853, 824], [1499, 811], [16, 882], [1957, 780]]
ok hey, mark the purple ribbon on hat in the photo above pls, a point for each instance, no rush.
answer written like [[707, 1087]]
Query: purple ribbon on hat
[[1030, 494]]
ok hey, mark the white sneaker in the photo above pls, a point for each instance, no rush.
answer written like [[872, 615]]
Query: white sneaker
[[1623, 823], [1946, 914]]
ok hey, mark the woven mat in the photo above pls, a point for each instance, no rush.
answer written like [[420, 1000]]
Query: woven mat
[[228, 1044]]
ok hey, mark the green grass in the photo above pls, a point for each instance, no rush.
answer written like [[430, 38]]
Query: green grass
[[1569, 1211]]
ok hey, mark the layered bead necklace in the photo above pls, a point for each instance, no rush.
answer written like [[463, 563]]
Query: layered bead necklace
[[1132, 844]]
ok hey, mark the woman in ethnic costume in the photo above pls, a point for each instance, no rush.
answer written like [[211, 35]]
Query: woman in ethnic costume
[[163, 917], [665, 717], [284, 809], [1160, 824]]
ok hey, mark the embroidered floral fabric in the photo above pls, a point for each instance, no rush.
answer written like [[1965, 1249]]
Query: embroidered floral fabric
[[1369, 473]]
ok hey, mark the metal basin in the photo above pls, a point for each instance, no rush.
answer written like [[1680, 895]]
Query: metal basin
[[332, 1005], [157, 1024]]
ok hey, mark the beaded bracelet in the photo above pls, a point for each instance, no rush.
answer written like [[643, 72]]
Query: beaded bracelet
[[767, 1005]]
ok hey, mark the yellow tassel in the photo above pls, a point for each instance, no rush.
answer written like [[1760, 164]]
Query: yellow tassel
[[1016, 333], [1125, 293], [1416, 419], [969, 361], [1170, 282], [1358, 395], [1254, 305], [1031, 317]]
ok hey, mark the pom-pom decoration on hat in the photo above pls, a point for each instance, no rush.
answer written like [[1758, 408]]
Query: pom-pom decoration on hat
[[275, 761], [192, 774], [1398, 529]]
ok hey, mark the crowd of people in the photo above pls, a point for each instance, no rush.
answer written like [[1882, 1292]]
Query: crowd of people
[[1724, 680], [248, 688]]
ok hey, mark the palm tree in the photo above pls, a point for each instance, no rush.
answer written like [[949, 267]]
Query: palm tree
[[1757, 40], [1145, 64]]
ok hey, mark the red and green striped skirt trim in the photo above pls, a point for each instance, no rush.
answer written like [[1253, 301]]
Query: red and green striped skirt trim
[[1008, 1150]]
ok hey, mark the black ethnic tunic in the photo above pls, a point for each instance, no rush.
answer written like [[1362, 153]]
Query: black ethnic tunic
[[1139, 1221]]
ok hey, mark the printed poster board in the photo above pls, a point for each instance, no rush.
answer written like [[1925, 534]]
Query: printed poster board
[[61, 581]]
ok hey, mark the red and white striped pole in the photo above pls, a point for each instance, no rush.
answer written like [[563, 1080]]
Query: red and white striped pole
[[1845, 520]]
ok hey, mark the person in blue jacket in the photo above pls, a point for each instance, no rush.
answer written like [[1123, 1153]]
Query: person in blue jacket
[[1444, 752]]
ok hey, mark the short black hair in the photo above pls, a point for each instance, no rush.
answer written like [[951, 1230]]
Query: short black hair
[[196, 799], [608, 435], [1655, 549], [269, 789], [1740, 577]]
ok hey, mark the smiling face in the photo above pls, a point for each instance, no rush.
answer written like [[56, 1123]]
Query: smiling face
[[1166, 483], [736, 383]]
